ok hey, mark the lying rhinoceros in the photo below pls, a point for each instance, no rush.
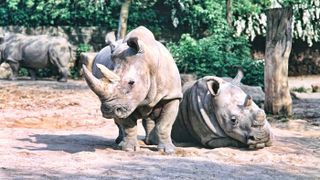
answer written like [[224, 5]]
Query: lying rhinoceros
[[217, 113], [137, 78], [35, 52]]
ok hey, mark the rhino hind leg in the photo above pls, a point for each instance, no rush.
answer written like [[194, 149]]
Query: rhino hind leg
[[32, 73], [130, 140], [164, 126], [149, 126]]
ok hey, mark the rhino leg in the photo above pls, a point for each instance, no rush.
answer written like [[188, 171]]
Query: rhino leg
[[32, 73], [130, 140], [151, 137], [63, 74], [164, 126], [121, 133], [15, 70]]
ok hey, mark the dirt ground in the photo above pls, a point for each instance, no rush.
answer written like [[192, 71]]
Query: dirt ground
[[51, 130]]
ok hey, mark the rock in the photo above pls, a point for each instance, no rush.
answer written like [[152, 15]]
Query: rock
[[5, 70]]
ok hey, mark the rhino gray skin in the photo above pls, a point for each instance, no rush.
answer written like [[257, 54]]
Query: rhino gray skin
[[137, 78], [217, 113], [35, 52]]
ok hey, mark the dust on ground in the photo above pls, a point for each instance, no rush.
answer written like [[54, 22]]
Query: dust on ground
[[51, 130]]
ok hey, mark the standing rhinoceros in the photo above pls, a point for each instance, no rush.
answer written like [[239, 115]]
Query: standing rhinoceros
[[137, 78], [35, 52], [217, 113]]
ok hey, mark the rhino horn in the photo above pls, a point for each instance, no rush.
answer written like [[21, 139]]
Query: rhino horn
[[260, 116], [109, 75], [236, 80], [96, 85], [248, 101]]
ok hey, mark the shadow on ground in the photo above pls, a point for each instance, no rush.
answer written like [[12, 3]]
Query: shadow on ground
[[154, 168], [68, 143]]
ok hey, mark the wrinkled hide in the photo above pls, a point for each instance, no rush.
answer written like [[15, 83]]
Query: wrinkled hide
[[35, 52], [216, 113], [136, 77]]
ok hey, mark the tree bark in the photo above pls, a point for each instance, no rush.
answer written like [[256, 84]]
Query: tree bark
[[229, 12], [122, 27], [278, 46]]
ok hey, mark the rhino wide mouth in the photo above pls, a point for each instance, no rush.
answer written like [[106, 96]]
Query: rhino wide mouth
[[259, 139], [115, 111]]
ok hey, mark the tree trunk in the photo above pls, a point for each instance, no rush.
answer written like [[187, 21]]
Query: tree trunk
[[122, 27], [278, 46], [229, 12]]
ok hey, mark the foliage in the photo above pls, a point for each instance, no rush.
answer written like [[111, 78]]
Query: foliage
[[74, 71], [299, 89], [23, 72], [211, 47], [219, 55], [62, 12], [306, 21]]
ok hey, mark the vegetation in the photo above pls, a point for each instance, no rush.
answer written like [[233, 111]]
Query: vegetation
[[197, 32]]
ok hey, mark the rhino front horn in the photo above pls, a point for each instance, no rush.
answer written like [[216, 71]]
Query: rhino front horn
[[109, 75], [95, 84]]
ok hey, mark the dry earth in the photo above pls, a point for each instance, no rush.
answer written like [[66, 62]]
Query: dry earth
[[51, 130]]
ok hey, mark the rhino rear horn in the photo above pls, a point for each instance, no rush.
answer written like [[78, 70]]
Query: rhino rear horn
[[237, 80], [109, 75], [95, 84]]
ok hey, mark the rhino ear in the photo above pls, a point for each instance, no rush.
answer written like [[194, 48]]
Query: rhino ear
[[213, 86], [134, 43]]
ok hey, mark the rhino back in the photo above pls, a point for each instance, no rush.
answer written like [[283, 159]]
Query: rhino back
[[196, 121], [35, 52], [168, 78]]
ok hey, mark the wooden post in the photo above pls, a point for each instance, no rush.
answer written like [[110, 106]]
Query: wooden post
[[122, 27], [229, 12], [278, 47]]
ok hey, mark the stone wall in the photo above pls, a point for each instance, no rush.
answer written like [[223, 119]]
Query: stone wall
[[303, 60], [93, 36]]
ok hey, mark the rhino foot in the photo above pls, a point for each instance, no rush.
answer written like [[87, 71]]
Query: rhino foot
[[63, 79], [129, 145], [167, 148], [118, 140]]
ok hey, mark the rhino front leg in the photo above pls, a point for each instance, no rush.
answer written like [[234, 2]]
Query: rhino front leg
[[15, 70], [63, 71], [121, 133], [164, 126], [130, 141]]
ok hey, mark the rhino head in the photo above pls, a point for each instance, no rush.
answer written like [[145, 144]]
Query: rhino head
[[237, 114], [126, 85]]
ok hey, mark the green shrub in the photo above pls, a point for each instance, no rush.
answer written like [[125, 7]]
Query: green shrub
[[220, 54], [23, 72], [74, 71]]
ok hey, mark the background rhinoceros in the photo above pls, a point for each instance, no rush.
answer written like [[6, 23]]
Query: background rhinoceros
[[137, 78], [35, 52], [217, 113]]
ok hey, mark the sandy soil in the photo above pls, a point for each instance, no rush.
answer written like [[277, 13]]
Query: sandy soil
[[51, 130]]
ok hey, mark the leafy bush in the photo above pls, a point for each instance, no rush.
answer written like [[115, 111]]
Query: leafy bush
[[219, 54]]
